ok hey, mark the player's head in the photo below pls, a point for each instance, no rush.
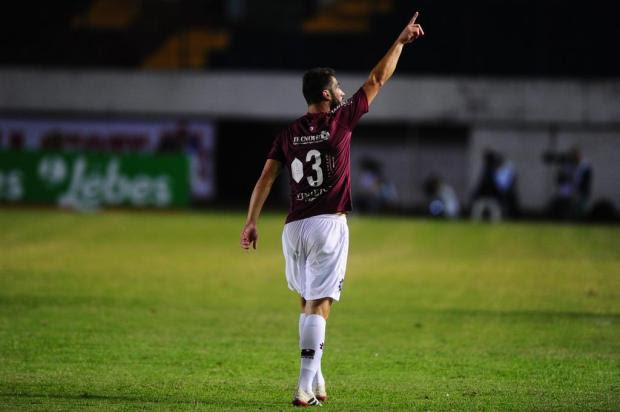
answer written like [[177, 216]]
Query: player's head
[[320, 84]]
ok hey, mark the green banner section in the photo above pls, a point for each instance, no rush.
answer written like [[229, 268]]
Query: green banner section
[[91, 181]]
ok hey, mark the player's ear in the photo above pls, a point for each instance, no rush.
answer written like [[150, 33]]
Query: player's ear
[[326, 94]]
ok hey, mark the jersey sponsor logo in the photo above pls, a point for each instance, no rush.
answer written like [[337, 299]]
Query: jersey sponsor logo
[[315, 138], [310, 196]]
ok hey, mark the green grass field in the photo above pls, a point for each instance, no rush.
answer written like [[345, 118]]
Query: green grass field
[[133, 311]]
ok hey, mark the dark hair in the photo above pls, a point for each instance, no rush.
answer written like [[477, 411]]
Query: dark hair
[[315, 81]]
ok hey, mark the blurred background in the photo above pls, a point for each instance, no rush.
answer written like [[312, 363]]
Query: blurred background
[[504, 110]]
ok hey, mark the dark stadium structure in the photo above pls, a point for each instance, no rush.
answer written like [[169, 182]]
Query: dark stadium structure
[[551, 38]]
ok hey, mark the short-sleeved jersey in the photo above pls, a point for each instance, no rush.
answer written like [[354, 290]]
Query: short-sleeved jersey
[[315, 149]]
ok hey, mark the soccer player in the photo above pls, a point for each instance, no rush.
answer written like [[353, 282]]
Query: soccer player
[[315, 149]]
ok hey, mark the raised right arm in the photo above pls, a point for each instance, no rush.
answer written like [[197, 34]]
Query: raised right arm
[[386, 66]]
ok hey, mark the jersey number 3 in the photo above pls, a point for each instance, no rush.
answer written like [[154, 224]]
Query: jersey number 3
[[297, 168]]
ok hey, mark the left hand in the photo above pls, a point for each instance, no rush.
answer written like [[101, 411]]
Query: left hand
[[412, 31], [249, 235]]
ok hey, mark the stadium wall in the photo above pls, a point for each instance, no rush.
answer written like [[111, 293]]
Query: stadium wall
[[278, 96]]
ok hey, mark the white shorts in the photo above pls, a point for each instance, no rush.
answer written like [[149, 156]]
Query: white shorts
[[315, 250]]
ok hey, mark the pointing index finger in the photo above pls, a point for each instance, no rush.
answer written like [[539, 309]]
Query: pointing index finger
[[415, 16]]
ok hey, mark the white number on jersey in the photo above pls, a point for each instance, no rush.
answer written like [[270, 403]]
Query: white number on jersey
[[316, 166], [297, 168]]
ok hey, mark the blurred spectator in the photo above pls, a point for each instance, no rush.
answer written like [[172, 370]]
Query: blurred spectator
[[442, 199], [178, 140], [485, 202], [183, 140], [495, 196], [506, 183], [376, 193], [573, 184]]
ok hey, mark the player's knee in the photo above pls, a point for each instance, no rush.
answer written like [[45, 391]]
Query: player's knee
[[319, 307]]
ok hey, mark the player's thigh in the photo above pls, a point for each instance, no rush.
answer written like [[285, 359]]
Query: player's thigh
[[294, 256], [327, 256], [328, 237]]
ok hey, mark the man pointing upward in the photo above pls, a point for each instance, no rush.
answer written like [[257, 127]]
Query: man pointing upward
[[315, 150]]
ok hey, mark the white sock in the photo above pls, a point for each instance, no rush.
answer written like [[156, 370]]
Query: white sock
[[302, 319], [312, 337], [318, 379]]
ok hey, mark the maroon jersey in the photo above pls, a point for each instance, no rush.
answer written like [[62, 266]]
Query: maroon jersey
[[316, 152]]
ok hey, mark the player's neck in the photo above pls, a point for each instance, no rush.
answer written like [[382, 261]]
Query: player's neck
[[322, 107]]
